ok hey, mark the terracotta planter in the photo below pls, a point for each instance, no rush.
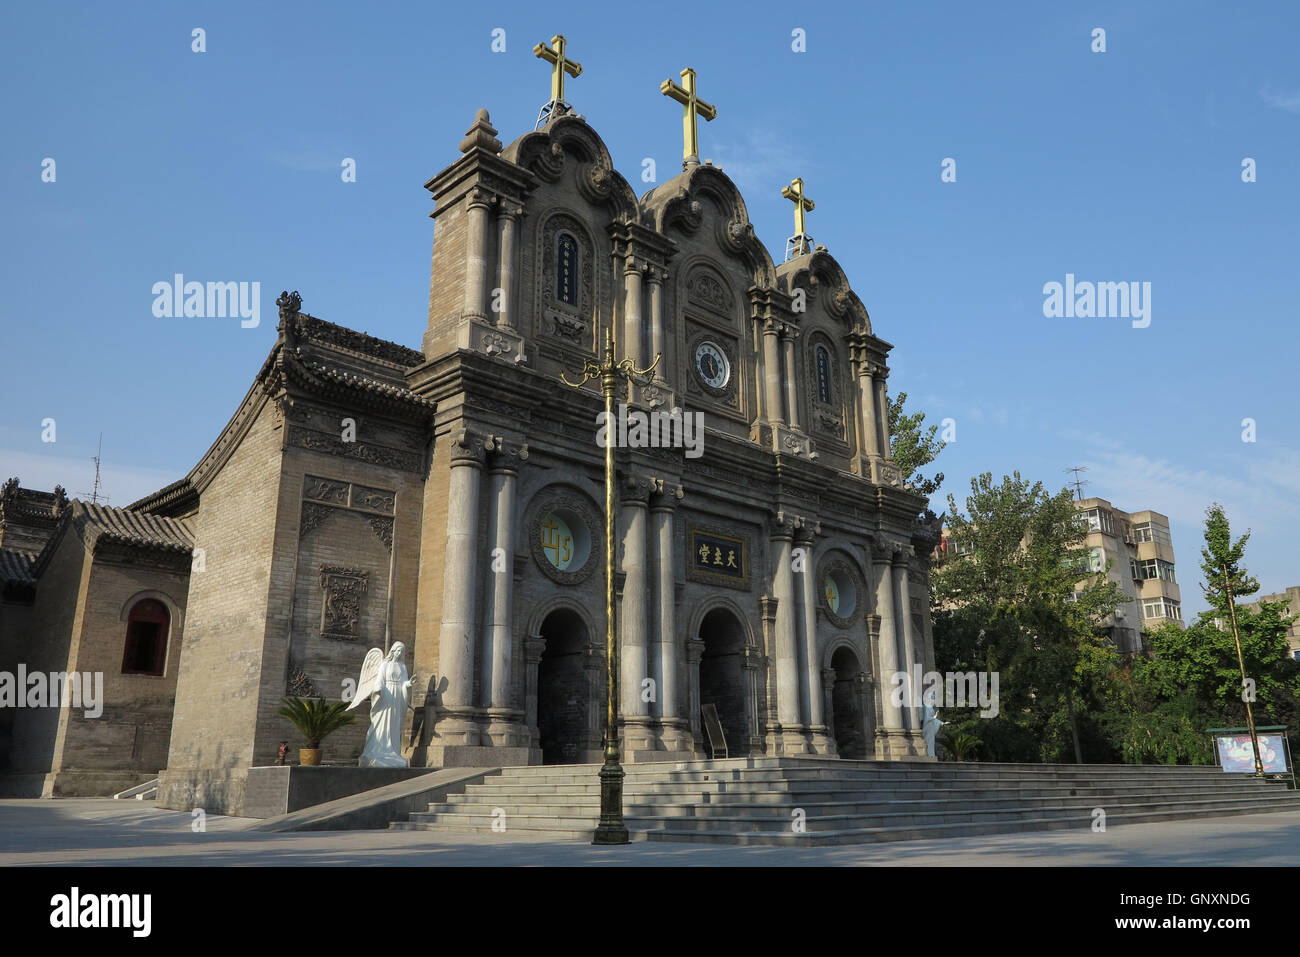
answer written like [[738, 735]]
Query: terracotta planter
[[309, 757]]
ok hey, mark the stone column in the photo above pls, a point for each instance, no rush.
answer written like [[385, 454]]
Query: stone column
[[503, 728], [655, 278], [534, 646], [632, 348], [788, 709], [882, 410], [694, 652], [675, 733], [772, 371], [813, 715], [456, 633], [633, 658], [788, 335], [910, 645], [828, 703], [476, 254], [867, 400], [887, 639], [507, 263]]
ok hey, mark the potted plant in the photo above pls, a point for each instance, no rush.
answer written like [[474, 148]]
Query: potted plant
[[314, 719]]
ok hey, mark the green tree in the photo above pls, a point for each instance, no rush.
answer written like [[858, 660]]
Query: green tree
[[1189, 679], [913, 445], [1017, 595]]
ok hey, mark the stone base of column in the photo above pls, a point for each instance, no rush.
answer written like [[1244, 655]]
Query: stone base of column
[[885, 473], [820, 740], [788, 441], [460, 756], [478, 335], [457, 727], [675, 733], [640, 734], [787, 739], [505, 729], [896, 744]]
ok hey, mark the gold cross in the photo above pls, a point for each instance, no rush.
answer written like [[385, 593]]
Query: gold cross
[[692, 106], [562, 64], [794, 193]]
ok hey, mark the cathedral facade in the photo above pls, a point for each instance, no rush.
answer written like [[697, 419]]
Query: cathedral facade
[[770, 564]]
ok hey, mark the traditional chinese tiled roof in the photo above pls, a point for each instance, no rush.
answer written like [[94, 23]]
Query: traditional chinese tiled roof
[[16, 567], [126, 527]]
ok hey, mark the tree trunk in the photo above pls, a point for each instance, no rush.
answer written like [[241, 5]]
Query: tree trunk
[[1074, 726]]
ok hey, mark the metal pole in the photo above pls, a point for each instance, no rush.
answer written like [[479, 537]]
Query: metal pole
[[1250, 717]]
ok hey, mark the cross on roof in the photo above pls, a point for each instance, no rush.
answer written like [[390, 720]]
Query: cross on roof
[[560, 65], [794, 193], [692, 106]]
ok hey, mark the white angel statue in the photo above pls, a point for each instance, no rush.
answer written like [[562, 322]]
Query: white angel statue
[[930, 725], [386, 685]]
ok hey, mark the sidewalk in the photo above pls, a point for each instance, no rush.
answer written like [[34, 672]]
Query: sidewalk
[[103, 832]]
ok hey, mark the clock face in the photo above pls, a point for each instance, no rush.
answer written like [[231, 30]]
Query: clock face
[[712, 366]]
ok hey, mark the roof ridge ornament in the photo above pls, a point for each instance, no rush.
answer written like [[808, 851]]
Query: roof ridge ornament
[[556, 106]]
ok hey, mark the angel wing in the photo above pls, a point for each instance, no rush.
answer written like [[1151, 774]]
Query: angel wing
[[368, 683]]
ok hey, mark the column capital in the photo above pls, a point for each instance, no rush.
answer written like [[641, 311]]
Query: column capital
[[789, 332], [694, 651], [807, 532], [665, 494], [886, 550], [467, 447], [772, 327], [503, 454], [480, 196], [655, 274], [636, 490], [509, 208]]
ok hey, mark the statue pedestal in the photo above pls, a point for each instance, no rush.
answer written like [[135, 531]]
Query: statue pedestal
[[276, 790]]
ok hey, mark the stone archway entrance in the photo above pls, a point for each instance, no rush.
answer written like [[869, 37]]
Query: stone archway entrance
[[848, 718], [563, 689], [722, 678]]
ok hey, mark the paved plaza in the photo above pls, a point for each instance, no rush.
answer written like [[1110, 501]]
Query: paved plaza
[[104, 832]]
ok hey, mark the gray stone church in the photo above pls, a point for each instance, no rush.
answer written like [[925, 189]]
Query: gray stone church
[[452, 498]]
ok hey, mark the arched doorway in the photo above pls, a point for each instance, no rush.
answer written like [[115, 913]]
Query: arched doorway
[[722, 677], [846, 701], [563, 694]]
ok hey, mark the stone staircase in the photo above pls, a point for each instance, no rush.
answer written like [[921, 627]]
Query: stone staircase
[[757, 800]]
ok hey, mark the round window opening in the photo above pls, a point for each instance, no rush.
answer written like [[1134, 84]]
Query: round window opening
[[565, 539], [841, 595]]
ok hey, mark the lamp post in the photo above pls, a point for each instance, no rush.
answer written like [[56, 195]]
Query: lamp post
[[612, 829]]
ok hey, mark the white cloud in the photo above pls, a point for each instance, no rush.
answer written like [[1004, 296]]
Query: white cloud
[[766, 160], [1283, 101], [77, 474]]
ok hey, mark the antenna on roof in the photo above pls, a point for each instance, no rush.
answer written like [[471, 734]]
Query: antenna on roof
[[1078, 483], [95, 493]]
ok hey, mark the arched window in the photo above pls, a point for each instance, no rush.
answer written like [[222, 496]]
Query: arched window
[[566, 269], [146, 638], [824, 375]]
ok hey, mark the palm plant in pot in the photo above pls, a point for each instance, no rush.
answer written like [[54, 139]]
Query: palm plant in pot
[[314, 719]]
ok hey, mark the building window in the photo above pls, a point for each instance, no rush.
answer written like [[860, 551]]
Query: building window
[[566, 269], [824, 375], [1151, 532], [963, 548], [1142, 532], [1162, 608], [1096, 560], [1099, 520], [1165, 571], [145, 652], [1134, 570]]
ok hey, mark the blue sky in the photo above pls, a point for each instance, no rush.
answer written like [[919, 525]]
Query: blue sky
[[1117, 166]]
